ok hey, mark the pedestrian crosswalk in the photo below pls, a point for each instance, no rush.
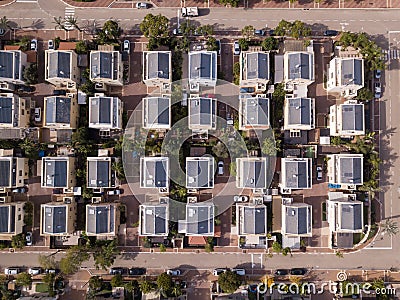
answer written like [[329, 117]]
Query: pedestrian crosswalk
[[390, 54], [69, 13]]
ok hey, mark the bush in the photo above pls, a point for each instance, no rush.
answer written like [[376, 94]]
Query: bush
[[31, 74]]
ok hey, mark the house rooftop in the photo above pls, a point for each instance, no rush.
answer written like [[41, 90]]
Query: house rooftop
[[100, 218], [199, 172], [257, 65], [296, 173], [200, 218], [350, 169], [98, 172], [154, 172], [256, 111], [10, 61], [55, 171], [252, 172], [6, 109], [351, 71], [59, 64], [157, 112], [104, 64], [352, 116], [7, 218], [253, 219], [158, 64], [299, 111], [202, 65], [58, 110], [300, 65], [297, 219], [54, 218], [202, 112], [153, 219], [351, 215], [5, 171]]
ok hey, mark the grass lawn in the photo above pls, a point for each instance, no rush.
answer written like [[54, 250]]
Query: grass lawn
[[42, 288]]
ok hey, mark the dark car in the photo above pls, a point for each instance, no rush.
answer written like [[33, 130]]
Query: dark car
[[272, 32], [298, 271], [52, 271], [137, 271], [25, 89], [259, 32], [331, 33], [59, 92], [117, 270], [281, 272]]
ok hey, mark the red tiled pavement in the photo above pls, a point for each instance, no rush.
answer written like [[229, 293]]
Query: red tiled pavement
[[6, 2], [96, 3]]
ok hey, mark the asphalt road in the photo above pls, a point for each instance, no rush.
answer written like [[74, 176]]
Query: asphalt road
[[381, 254]]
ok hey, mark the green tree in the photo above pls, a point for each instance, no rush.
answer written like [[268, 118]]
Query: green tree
[[164, 283], [300, 29], [147, 286], [220, 150], [155, 26], [23, 279], [95, 283], [81, 47], [118, 168], [4, 23], [163, 248], [59, 21], [268, 147], [276, 247], [176, 290], [212, 44], [390, 227], [339, 254], [282, 28], [110, 32], [286, 251], [229, 281], [364, 94], [47, 262], [116, 280], [73, 259], [106, 255], [18, 241], [248, 32], [73, 22], [233, 3], [205, 30], [31, 74], [270, 43], [244, 44]]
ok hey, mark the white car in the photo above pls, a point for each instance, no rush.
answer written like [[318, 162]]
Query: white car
[[319, 173], [175, 272], [50, 44], [220, 167], [238, 198], [38, 114], [12, 271], [35, 271], [34, 44], [127, 46], [236, 48], [142, 5], [219, 271], [240, 272]]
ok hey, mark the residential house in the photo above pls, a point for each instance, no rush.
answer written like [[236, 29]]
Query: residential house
[[153, 219], [345, 216], [58, 172], [296, 173], [202, 114], [58, 218], [254, 113], [154, 172], [106, 67], [61, 68], [13, 170], [100, 173], [105, 113], [102, 219], [299, 114], [199, 219], [345, 76], [298, 67], [61, 112], [11, 219], [202, 69], [347, 119], [157, 69], [251, 172], [14, 111], [199, 172], [251, 220], [345, 170], [255, 69], [157, 113], [296, 219], [12, 65]]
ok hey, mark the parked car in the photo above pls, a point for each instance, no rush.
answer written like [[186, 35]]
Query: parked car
[[142, 5], [236, 48], [378, 74], [331, 33], [28, 238], [137, 271], [59, 92], [259, 32], [35, 271], [38, 114], [52, 271], [117, 270], [177, 31], [219, 271], [50, 44], [12, 270], [25, 89], [281, 272], [114, 192], [220, 167], [19, 190], [174, 272], [271, 32], [378, 90], [298, 271], [319, 173], [34, 45], [240, 272], [238, 198], [127, 46]]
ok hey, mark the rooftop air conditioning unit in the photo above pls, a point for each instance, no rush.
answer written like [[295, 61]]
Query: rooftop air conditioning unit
[[2, 199], [286, 201], [67, 200]]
